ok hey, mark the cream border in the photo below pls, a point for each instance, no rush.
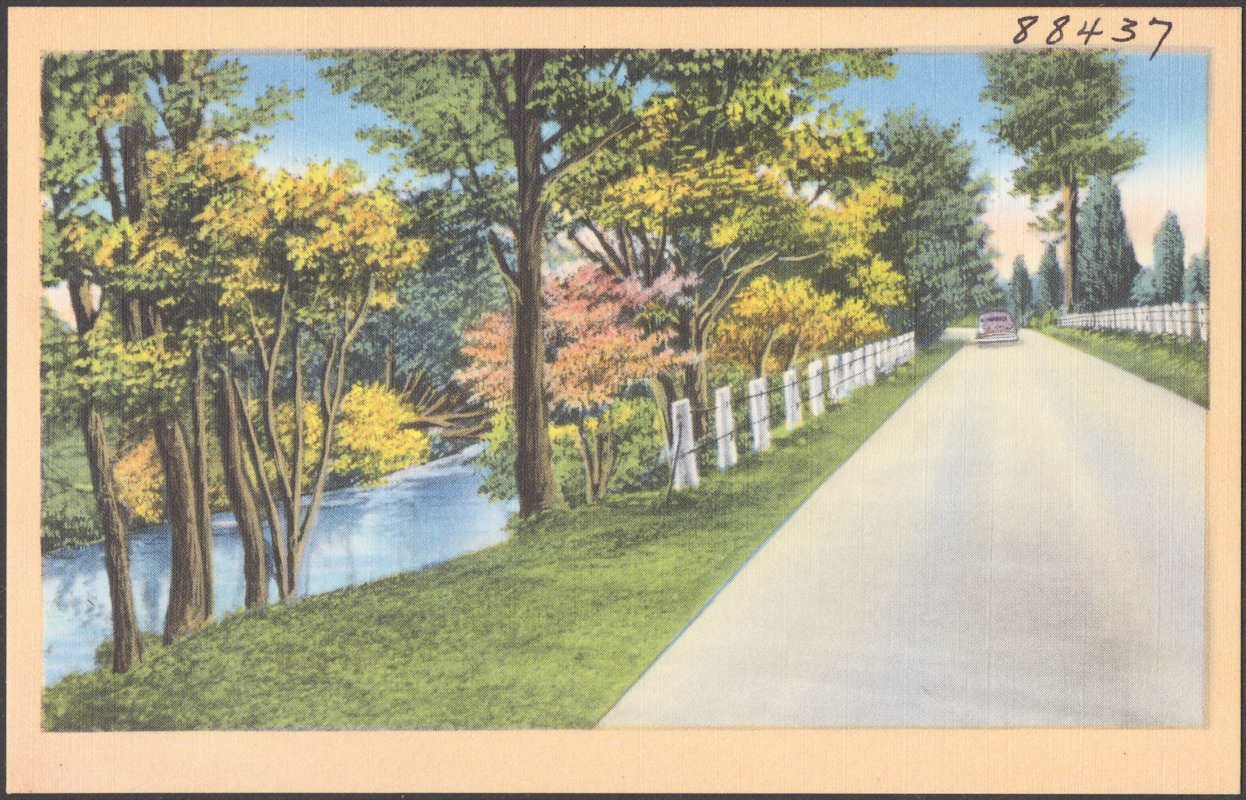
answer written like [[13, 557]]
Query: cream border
[[1205, 760]]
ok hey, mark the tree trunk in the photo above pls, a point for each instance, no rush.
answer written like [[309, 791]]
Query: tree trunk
[[241, 496], [199, 471], [1068, 193], [127, 646], [534, 461], [186, 586], [663, 389]]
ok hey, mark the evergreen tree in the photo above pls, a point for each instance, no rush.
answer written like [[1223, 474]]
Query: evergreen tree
[[1107, 265], [1145, 291], [1050, 281], [1197, 277], [1056, 108], [1020, 291], [1169, 254]]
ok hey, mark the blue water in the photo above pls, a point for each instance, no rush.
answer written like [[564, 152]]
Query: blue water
[[425, 515]]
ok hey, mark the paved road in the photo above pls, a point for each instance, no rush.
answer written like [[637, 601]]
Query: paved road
[[1020, 544]]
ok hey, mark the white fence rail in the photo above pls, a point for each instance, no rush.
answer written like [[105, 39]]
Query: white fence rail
[[1174, 319], [827, 383]]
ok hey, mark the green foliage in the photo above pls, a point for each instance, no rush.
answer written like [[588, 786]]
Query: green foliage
[[1020, 291], [68, 516], [1177, 364], [937, 240], [1105, 255], [1050, 281], [1197, 286], [1046, 320], [1055, 111], [1169, 260], [637, 434], [1145, 290], [546, 630]]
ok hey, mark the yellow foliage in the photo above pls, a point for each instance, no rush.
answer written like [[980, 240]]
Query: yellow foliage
[[784, 320], [371, 435], [140, 481]]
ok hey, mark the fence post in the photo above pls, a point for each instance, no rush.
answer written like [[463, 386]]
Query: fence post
[[858, 362], [833, 377], [791, 399], [759, 412], [724, 428], [871, 363], [1201, 308], [685, 464], [817, 388]]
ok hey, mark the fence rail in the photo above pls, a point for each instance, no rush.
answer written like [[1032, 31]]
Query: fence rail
[[1189, 320], [843, 373]]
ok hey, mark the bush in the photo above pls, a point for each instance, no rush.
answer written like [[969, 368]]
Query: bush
[[1048, 319], [372, 437]]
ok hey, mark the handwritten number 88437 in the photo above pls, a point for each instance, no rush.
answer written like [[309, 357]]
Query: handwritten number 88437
[[1056, 34]]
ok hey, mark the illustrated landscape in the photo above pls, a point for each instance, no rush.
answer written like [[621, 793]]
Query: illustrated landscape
[[564, 389]]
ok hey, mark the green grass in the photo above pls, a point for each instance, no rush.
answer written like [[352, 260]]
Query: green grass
[[545, 630], [1177, 364]]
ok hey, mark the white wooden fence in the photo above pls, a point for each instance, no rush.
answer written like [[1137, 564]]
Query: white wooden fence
[[843, 373], [1175, 319]]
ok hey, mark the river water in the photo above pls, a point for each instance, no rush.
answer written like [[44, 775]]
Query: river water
[[424, 516]]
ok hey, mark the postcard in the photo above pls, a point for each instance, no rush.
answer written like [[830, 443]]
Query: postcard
[[624, 399]]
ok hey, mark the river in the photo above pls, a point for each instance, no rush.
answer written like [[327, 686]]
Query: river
[[423, 516]]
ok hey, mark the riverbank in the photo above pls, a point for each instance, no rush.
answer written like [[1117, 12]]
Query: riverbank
[[545, 630]]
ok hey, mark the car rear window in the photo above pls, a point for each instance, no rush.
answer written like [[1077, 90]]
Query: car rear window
[[995, 318]]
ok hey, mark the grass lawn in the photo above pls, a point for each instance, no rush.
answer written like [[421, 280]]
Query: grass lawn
[[545, 630], [1177, 364]]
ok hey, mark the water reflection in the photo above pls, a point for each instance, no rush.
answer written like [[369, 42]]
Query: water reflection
[[425, 515]]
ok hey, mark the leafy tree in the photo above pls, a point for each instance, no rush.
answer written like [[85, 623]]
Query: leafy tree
[[1169, 260], [1055, 111], [936, 240], [1198, 278], [706, 184], [1020, 291], [596, 352], [1050, 281], [311, 256], [1104, 251], [142, 105], [72, 139], [505, 126]]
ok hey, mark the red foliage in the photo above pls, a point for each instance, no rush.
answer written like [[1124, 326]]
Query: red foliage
[[593, 346]]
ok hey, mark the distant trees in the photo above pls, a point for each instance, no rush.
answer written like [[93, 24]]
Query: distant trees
[[1055, 111], [1169, 260], [1020, 291], [1108, 265], [936, 240], [1197, 287]]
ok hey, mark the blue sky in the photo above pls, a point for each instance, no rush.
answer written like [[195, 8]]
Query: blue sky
[[1168, 110]]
